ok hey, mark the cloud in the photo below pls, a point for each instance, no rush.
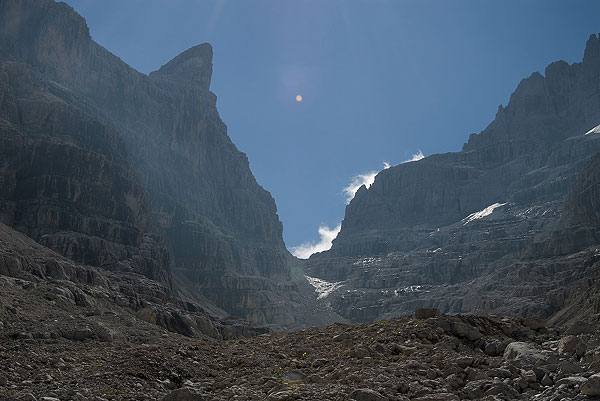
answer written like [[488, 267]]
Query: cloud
[[416, 157], [359, 180], [308, 248], [329, 234]]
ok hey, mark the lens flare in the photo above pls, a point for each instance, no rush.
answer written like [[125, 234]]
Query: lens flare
[[298, 98]]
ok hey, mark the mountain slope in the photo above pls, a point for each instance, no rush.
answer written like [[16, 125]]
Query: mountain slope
[[427, 232], [195, 188]]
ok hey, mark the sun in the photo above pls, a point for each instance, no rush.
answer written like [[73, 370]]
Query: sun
[[298, 98]]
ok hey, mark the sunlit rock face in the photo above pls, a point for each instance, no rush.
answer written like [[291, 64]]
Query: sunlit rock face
[[450, 230], [100, 162]]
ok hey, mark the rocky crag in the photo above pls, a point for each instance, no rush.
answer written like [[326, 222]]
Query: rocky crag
[[135, 173], [486, 229]]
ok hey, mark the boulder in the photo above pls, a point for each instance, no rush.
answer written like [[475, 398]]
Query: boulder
[[571, 345], [523, 352], [591, 387]]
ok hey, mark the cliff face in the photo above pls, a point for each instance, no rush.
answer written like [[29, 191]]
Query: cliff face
[[195, 188], [66, 182], [476, 230], [532, 150], [582, 206]]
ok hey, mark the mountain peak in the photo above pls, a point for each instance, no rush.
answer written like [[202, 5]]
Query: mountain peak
[[194, 64], [592, 49]]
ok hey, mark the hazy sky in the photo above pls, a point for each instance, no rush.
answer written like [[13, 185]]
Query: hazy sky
[[380, 80]]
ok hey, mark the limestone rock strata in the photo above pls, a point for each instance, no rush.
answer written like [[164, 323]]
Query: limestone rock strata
[[36, 270], [219, 226], [66, 182], [481, 230], [529, 153]]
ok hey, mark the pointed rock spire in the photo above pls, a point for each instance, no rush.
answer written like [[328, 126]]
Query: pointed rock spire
[[194, 64]]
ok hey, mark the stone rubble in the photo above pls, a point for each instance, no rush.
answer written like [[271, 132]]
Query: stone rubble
[[398, 359]]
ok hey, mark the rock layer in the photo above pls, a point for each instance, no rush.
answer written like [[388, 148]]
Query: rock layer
[[174, 170], [480, 230]]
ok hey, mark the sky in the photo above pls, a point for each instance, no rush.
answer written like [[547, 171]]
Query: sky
[[381, 81]]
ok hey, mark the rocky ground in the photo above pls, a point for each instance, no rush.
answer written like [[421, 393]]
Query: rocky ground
[[50, 348]]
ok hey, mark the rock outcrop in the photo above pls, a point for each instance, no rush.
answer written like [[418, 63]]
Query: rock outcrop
[[52, 285], [471, 231], [78, 121]]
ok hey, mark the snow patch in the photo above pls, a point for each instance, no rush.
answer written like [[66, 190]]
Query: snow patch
[[322, 288], [595, 130], [481, 214], [367, 262], [408, 289]]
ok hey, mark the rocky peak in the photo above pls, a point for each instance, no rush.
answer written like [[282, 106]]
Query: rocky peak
[[50, 34], [221, 229], [194, 64], [592, 50], [527, 153], [546, 109]]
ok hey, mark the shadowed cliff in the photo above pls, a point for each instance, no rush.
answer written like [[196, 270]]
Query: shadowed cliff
[[180, 178], [480, 230]]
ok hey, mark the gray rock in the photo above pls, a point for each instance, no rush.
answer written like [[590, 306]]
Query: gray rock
[[183, 394], [529, 375], [580, 327], [438, 397], [568, 368], [360, 351], [547, 380], [570, 381], [282, 396], [493, 348], [465, 361], [461, 329], [503, 390], [319, 363], [365, 394], [591, 387], [77, 334], [571, 345], [523, 352]]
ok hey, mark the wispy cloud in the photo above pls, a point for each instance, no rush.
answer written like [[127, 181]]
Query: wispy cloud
[[328, 234], [416, 157], [359, 180], [308, 248]]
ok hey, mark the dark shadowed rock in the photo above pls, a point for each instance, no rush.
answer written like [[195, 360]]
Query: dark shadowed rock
[[130, 172], [427, 313]]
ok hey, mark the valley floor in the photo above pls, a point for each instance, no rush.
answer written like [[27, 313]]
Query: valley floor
[[52, 348]]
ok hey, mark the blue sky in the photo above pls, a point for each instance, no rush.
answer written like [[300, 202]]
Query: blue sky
[[380, 80]]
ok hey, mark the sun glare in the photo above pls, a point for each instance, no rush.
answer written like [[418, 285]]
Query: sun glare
[[298, 98]]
